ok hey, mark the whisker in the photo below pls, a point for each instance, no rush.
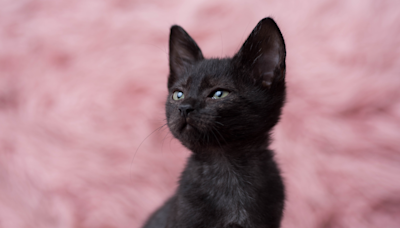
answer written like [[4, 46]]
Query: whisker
[[170, 143], [218, 123], [163, 154], [207, 114], [162, 144], [216, 138], [157, 129], [220, 134]]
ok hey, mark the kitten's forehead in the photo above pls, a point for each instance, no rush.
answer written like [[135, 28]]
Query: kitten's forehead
[[208, 73]]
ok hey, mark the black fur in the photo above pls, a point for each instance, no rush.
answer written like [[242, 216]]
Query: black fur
[[231, 179]]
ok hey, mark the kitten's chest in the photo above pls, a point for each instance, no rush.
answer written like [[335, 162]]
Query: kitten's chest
[[230, 195], [223, 192]]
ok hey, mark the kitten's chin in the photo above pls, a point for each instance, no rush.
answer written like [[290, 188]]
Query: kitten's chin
[[189, 136], [194, 136]]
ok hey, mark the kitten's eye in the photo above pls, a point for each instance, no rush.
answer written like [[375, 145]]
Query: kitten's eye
[[220, 94], [177, 95]]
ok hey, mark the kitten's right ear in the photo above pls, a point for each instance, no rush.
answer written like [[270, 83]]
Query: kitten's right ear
[[183, 52], [263, 53]]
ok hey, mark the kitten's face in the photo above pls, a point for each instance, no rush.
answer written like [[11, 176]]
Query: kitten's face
[[215, 103]]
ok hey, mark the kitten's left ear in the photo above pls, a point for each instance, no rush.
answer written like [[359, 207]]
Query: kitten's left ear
[[183, 52], [263, 53]]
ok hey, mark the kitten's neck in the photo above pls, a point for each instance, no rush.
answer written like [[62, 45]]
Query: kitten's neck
[[239, 158], [234, 151]]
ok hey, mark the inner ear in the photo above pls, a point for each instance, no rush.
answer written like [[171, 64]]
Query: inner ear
[[263, 53], [183, 52]]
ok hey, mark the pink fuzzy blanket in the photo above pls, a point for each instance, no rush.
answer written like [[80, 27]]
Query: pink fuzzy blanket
[[83, 84]]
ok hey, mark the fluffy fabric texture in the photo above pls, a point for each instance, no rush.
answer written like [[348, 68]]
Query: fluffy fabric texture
[[83, 85]]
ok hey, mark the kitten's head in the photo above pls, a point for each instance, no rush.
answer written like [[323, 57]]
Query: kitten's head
[[217, 103]]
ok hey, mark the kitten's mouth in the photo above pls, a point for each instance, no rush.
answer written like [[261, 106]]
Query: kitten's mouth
[[187, 126]]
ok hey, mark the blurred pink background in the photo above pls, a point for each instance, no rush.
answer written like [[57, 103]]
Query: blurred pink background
[[83, 83]]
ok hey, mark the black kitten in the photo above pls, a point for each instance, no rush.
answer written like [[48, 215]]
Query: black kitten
[[223, 111]]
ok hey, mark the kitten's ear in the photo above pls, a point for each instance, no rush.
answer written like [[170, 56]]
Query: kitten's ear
[[183, 51], [263, 53]]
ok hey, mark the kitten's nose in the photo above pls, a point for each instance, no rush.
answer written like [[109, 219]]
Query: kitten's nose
[[185, 109]]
